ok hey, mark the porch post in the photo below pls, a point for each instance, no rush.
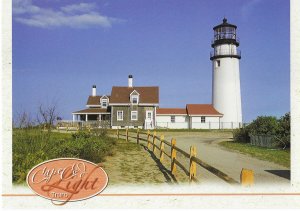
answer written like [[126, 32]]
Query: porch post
[[86, 117], [74, 117], [99, 117]]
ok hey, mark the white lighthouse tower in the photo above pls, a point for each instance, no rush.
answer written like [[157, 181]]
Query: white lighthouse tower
[[226, 92]]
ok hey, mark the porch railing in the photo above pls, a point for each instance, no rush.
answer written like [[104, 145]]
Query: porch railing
[[78, 125]]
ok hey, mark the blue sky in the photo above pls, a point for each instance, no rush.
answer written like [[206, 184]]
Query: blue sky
[[62, 47]]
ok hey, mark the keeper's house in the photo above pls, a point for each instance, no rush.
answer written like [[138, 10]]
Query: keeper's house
[[138, 107], [125, 107]]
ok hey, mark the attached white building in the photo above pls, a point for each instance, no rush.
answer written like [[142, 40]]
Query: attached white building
[[173, 118], [194, 116], [203, 116]]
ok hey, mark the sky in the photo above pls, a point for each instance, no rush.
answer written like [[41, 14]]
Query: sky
[[63, 47]]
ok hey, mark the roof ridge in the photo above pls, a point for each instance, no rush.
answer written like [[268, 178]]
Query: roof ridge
[[133, 87], [171, 108], [200, 104]]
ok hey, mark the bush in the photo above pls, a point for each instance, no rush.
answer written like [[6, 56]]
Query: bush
[[241, 135], [284, 130], [266, 125], [33, 146], [81, 134]]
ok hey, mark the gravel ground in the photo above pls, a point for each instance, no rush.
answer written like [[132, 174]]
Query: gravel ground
[[228, 161]]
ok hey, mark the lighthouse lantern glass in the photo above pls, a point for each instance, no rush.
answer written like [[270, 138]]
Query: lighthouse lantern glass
[[225, 32]]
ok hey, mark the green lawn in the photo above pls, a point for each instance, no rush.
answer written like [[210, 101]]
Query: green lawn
[[278, 156]]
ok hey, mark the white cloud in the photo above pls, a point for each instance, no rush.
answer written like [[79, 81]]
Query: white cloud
[[82, 15], [24, 6], [82, 7]]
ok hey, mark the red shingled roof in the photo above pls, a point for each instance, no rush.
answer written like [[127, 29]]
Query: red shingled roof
[[122, 94], [162, 111], [202, 109], [92, 110], [94, 100]]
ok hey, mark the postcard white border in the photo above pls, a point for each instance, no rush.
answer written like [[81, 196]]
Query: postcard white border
[[255, 201]]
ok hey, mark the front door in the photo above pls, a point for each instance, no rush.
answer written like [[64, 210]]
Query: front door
[[149, 124], [149, 115]]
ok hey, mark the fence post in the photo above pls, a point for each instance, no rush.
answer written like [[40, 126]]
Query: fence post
[[126, 134], [118, 133], [162, 148], [154, 137], [173, 156], [148, 139], [247, 177], [138, 136], [193, 165]]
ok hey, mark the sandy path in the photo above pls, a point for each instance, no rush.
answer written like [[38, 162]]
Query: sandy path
[[134, 164]]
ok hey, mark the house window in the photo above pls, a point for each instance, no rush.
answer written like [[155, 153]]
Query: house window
[[173, 119], [135, 99], [203, 119], [134, 115], [218, 63], [119, 115], [104, 103]]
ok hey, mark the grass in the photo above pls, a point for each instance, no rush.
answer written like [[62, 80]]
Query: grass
[[33, 146], [278, 156]]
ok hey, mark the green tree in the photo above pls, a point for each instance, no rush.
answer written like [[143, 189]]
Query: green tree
[[264, 125], [284, 129]]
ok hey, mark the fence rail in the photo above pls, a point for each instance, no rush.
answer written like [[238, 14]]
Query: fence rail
[[155, 142]]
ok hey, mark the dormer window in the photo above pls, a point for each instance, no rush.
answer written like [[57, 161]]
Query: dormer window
[[104, 101], [134, 97]]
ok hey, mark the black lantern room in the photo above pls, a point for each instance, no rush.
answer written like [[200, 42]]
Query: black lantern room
[[225, 33]]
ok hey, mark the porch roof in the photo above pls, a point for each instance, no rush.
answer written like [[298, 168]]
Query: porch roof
[[92, 111]]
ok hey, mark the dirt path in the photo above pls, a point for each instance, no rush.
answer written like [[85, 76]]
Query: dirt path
[[134, 164], [228, 161]]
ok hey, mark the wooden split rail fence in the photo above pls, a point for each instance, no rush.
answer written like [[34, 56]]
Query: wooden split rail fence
[[155, 142]]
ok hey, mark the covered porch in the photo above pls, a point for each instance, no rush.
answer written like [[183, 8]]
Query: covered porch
[[91, 114]]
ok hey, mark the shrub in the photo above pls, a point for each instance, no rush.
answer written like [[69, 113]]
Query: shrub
[[81, 134], [284, 130], [99, 132], [33, 146], [241, 135], [264, 125]]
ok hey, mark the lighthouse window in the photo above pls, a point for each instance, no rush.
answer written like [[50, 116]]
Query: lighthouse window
[[218, 63]]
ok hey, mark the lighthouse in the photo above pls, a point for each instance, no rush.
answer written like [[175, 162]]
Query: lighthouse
[[226, 91]]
